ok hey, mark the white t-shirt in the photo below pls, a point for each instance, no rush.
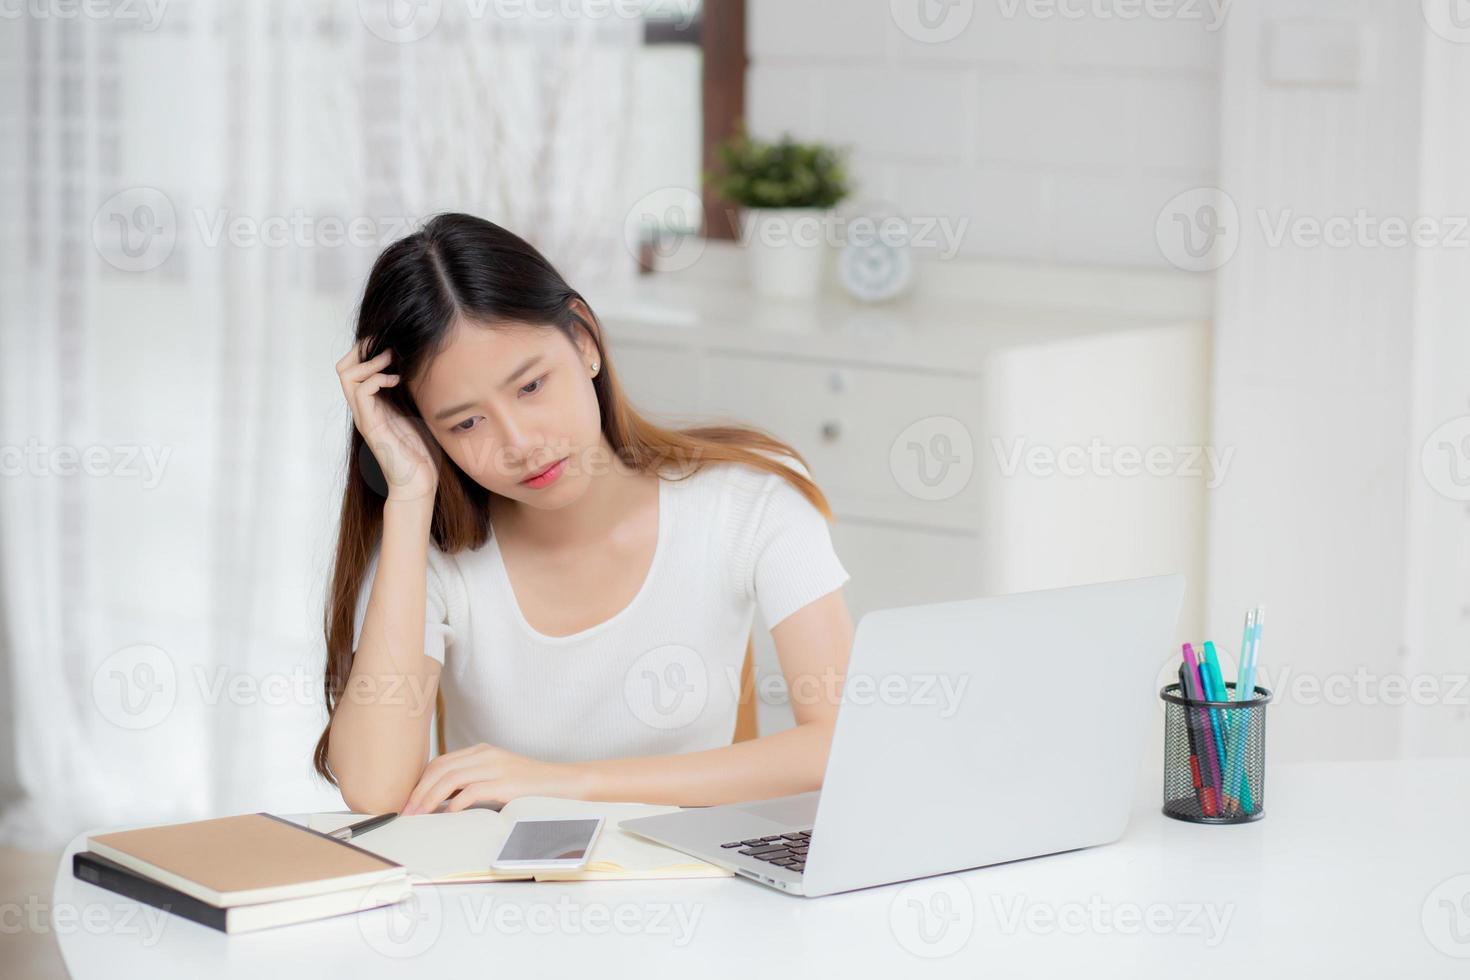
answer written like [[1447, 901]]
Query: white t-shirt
[[662, 675]]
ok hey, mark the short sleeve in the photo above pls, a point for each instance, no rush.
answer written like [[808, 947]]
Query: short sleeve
[[438, 632], [791, 558]]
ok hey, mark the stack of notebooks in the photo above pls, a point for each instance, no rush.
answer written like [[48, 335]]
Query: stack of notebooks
[[256, 870]]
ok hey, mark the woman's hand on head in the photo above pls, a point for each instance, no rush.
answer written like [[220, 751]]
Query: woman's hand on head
[[487, 774], [395, 441]]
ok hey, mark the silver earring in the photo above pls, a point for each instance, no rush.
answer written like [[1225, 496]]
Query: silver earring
[[595, 366]]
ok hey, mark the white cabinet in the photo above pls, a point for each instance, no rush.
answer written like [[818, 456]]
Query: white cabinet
[[878, 401]]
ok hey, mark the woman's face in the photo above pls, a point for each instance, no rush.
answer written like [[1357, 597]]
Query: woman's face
[[509, 400]]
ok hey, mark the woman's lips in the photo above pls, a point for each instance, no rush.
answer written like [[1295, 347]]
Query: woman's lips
[[548, 475]]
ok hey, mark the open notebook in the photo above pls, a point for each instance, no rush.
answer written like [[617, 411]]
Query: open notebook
[[443, 848]]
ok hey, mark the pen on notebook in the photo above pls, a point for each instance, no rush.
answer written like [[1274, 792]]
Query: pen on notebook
[[361, 827]]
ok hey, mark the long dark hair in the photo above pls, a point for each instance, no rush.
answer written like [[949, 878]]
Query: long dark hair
[[456, 266]]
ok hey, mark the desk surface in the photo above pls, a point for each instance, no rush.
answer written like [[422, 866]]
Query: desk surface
[[1357, 869]]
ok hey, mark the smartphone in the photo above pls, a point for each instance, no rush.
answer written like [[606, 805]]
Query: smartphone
[[550, 845]]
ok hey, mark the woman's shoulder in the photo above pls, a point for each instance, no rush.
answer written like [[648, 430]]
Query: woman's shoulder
[[726, 478]]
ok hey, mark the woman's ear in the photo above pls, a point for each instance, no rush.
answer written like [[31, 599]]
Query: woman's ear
[[589, 338]]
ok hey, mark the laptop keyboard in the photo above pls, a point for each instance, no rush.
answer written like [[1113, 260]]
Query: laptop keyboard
[[783, 850]]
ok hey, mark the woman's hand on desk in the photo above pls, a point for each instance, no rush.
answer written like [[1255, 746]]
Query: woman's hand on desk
[[488, 774]]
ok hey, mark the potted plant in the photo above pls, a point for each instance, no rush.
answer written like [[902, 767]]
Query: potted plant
[[786, 190]]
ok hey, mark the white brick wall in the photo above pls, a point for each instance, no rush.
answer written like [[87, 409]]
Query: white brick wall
[[1057, 129]]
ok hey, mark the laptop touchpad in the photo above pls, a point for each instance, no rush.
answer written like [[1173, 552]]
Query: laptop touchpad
[[799, 810]]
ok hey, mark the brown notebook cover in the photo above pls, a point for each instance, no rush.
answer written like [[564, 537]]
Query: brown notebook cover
[[244, 859]]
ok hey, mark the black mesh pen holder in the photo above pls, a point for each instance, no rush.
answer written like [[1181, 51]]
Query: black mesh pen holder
[[1214, 757]]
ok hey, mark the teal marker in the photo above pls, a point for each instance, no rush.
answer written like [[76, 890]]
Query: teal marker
[[1217, 691]]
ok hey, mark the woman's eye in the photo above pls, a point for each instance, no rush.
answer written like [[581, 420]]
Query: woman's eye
[[539, 381], [466, 425]]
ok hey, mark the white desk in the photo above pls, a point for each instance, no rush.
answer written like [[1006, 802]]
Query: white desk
[[1356, 871]]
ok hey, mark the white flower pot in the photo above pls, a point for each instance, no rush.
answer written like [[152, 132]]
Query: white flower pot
[[786, 250]]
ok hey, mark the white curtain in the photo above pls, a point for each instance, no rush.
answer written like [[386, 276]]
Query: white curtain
[[192, 205]]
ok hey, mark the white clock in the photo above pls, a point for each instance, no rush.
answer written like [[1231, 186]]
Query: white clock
[[874, 270]]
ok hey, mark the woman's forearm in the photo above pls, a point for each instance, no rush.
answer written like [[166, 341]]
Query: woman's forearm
[[380, 729], [781, 764]]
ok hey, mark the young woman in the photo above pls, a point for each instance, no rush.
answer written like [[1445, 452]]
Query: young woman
[[581, 581]]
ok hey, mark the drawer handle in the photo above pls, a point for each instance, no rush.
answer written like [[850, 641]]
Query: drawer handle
[[831, 430]]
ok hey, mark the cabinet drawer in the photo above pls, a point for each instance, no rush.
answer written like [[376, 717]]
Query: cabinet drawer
[[890, 445], [662, 382]]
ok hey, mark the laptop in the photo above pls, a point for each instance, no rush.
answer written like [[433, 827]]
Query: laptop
[[969, 733]]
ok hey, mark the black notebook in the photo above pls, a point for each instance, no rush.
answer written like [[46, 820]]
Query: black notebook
[[100, 871]]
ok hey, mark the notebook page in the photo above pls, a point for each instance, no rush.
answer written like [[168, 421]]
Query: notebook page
[[434, 846]]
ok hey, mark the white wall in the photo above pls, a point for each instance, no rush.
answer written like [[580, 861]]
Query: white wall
[[1438, 586], [1314, 377], [1059, 139]]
